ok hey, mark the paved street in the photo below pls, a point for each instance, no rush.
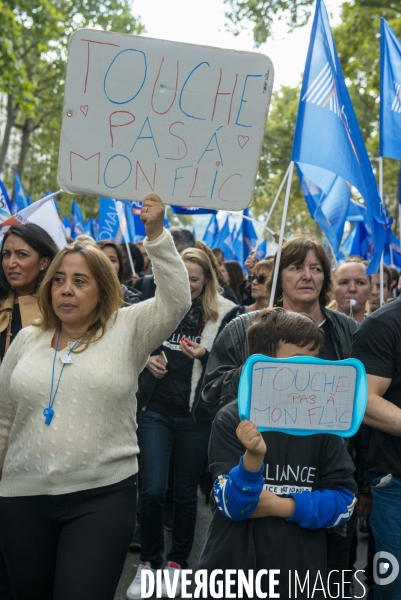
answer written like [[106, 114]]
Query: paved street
[[204, 515]]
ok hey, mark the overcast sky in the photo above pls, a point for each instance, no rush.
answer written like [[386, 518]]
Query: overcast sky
[[203, 22]]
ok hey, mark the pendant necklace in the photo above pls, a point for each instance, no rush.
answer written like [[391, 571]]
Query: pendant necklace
[[65, 359]]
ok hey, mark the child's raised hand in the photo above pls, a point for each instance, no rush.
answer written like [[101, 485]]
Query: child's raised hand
[[251, 438]]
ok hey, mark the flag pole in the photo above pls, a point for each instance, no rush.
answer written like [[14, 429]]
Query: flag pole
[[131, 262], [273, 205], [290, 172], [332, 251], [382, 256]]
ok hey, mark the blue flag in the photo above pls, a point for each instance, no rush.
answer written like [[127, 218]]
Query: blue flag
[[140, 232], [67, 226], [356, 212], [358, 243], [392, 251], [89, 228], [328, 197], [327, 134], [5, 206], [108, 219], [129, 235], [225, 241], [239, 245], [95, 223], [211, 233], [77, 221], [390, 92], [262, 250], [249, 236], [189, 210], [20, 201], [246, 239]]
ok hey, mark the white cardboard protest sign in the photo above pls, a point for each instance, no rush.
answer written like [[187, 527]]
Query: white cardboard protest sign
[[143, 115], [303, 395]]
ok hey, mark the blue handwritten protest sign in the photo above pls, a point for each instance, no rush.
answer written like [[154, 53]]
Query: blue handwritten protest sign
[[303, 395]]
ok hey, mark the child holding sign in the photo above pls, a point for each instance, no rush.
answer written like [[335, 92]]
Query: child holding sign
[[267, 522]]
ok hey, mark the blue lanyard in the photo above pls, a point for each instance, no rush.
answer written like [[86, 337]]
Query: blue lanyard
[[48, 411]]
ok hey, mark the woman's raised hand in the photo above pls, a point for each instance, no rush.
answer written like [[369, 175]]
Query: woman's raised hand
[[152, 216]]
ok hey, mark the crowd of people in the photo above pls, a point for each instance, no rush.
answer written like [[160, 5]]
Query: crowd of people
[[118, 395]]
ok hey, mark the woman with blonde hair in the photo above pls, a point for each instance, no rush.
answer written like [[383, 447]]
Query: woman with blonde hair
[[171, 413], [68, 444]]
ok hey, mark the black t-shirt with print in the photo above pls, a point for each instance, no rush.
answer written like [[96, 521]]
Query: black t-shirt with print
[[172, 393], [377, 344]]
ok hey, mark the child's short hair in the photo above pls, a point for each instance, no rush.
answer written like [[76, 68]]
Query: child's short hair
[[275, 325]]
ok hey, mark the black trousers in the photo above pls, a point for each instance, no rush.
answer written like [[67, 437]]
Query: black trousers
[[68, 547]]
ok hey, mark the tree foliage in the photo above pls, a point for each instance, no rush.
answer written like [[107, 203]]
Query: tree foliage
[[358, 43], [33, 49], [261, 14]]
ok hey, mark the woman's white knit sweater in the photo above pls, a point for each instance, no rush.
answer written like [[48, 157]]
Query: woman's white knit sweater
[[91, 441]]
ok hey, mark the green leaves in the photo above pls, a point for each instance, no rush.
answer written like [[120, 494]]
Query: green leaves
[[34, 38]]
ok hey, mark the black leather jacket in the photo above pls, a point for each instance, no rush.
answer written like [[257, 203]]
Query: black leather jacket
[[230, 352]]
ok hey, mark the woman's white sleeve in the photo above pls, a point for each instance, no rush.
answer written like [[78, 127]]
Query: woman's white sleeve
[[7, 406], [155, 319]]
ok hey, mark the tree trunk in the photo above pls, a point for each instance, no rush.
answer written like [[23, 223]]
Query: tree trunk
[[11, 113], [26, 130]]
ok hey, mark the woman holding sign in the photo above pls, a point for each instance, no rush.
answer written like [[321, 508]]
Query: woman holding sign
[[172, 414], [68, 445]]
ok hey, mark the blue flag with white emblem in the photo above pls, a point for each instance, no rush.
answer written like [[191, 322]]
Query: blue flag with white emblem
[[5, 206], [67, 226], [328, 202], [358, 243], [140, 232], [225, 241], [77, 221], [327, 133], [89, 228], [262, 250], [20, 200], [211, 233], [390, 92], [129, 234], [108, 219]]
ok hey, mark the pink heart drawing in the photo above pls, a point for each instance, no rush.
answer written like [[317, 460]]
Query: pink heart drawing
[[217, 163], [84, 109], [243, 140]]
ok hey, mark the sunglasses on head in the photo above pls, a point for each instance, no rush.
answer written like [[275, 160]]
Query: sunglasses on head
[[259, 278]]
